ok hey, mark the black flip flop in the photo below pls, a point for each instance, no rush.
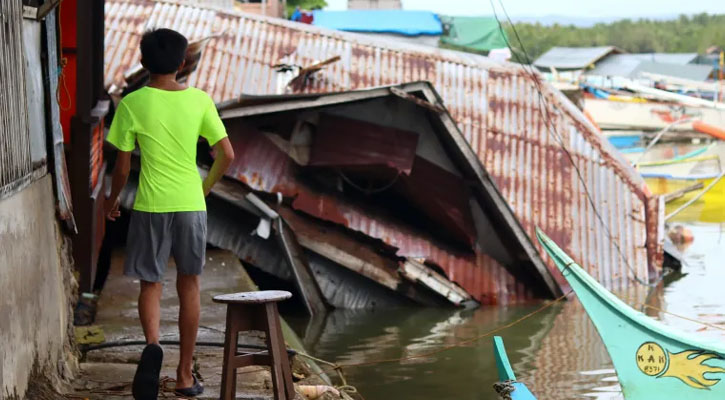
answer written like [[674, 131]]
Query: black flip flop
[[195, 389], [146, 380]]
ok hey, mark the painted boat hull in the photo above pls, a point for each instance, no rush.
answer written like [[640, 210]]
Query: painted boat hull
[[650, 116], [506, 373], [652, 360]]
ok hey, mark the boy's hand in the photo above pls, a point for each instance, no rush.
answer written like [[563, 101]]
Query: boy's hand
[[111, 208]]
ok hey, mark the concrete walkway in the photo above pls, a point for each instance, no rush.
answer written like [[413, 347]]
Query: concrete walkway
[[107, 373]]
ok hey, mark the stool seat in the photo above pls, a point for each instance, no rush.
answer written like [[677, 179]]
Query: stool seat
[[264, 296]]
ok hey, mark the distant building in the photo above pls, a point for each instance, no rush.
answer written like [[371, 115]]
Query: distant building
[[636, 66], [421, 27], [374, 4], [228, 4], [574, 60], [271, 8], [602, 65]]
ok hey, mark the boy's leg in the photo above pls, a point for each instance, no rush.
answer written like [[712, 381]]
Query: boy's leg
[[148, 250], [187, 287], [149, 310], [189, 250]]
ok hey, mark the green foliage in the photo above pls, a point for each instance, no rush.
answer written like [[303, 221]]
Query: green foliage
[[304, 4], [686, 34]]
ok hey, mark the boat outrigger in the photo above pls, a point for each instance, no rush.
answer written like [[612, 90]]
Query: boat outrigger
[[652, 360], [507, 386]]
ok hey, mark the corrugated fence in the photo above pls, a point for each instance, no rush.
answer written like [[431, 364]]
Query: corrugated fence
[[549, 162], [15, 161]]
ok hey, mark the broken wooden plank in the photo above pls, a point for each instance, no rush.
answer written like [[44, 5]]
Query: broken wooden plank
[[419, 272], [312, 296], [669, 197]]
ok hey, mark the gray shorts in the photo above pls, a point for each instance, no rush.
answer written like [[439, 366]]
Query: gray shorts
[[153, 237]]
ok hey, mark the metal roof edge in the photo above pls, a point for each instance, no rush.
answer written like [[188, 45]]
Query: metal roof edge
[[294, 102], [492, 190]]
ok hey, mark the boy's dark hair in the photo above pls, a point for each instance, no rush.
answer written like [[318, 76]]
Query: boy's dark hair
[[163, 50]]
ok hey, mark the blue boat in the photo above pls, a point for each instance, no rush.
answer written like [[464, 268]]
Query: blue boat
[[507, 386]]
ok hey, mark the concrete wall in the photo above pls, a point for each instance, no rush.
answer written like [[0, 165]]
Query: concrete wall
[[34, 282]]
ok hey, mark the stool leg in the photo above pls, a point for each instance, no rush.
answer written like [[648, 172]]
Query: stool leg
[[281, 373], [228, 390]]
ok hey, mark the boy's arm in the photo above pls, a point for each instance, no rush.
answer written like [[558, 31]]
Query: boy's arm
[[120, 176], [224, 155]]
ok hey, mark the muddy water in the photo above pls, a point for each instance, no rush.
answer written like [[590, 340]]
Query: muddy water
[[557, 352]]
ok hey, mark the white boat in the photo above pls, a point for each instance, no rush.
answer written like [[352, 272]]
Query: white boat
[[650, 116]]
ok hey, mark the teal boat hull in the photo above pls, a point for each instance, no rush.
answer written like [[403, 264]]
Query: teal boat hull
[[506, 373], [652, 360]]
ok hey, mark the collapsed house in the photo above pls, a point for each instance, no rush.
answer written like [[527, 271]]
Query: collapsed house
[[545, 158], [379, 182]]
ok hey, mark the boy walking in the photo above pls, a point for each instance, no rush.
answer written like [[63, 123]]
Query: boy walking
[[166, 119]]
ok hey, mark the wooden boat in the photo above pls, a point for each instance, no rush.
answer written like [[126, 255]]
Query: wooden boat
[[652, 360], [507, 385], [652, 116], [698, 164]]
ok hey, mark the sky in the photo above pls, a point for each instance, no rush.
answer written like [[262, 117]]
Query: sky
[[569, 8]]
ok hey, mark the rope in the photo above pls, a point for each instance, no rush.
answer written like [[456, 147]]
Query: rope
[[369, 191], [680, 316], [504, 389], [62, 65], [338, 367], [658, 137], [551, 129]]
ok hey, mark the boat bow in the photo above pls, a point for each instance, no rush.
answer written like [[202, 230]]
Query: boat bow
[[652, 360]]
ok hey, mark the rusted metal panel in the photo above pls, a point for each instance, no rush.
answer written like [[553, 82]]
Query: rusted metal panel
[[548, 161], [345, 142], [443, 197]]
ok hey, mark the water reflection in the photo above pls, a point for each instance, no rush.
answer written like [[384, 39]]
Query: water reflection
[[558, 352]]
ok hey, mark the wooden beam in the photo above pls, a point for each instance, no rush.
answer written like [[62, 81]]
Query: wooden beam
[[669, 197]]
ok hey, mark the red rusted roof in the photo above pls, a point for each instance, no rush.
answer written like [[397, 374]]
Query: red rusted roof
[[264, 167], [600, 212]]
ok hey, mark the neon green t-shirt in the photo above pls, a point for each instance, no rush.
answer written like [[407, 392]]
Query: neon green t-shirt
[[167, 125]]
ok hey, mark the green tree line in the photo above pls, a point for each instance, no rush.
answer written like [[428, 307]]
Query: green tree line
[[686, 34]]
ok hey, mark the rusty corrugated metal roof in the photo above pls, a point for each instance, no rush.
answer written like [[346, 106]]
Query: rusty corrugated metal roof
[[498, 108]]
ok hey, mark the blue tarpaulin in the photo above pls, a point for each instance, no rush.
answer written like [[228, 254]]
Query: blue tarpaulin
[[409, 23]]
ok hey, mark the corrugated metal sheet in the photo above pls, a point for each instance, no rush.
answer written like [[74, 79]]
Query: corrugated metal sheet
[[690, 71], [60, 170], [573, 57], [15, 158], [633, 65], [667, 58], [264, 167], [497, 107]]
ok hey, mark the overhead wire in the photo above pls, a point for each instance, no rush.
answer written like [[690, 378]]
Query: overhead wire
[[559, 139]]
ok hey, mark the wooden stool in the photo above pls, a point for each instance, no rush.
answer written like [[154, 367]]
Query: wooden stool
[[255, 311]]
